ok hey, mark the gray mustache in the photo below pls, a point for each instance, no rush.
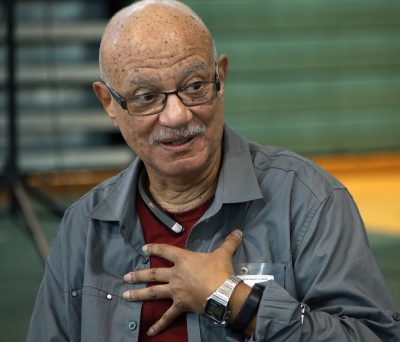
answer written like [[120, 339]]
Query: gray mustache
[[178, 133]]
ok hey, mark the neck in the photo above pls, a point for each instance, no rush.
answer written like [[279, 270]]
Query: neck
[[181, 194]]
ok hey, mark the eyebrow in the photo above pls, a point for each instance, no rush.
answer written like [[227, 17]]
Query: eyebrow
[[143, 80], [150, 80], [193, 68]]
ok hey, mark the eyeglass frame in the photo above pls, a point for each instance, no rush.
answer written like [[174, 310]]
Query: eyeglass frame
[[123, 102]]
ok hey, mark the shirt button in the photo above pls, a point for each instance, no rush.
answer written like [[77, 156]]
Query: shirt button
[[145, 259], [244, 270], [132, 325], [74, 293], [396, 316], [109, 297]]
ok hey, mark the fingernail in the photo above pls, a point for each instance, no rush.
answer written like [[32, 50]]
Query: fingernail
[[150, 332], [126, 295], [238, 233], [144, 249], [127, 277]]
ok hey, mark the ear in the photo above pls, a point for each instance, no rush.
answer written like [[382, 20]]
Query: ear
[[106, 100], [222, 70]]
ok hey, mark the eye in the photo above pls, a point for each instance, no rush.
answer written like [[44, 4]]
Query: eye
[[145, 98], [194, 87]]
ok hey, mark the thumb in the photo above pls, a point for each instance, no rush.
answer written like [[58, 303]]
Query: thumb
[[232, 241]]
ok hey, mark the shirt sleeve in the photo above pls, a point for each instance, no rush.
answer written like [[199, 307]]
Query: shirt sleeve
[[341, 294], [49, 317]]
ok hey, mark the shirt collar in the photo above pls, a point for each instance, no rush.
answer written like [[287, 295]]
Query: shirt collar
[[119, 197], [237, 183], [237, 180]]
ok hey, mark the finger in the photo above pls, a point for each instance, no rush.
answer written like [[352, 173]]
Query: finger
[[232, 241], [162, 250], [165, 321], [158, 275], [147, 293]]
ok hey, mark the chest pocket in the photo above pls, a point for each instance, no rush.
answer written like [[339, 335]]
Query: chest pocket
[[106, 316], [88, 308], [88, 311], [215, 332], [260, 269], [95, 307]]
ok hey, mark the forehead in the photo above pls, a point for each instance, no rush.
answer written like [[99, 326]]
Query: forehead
[[177, 73], [156, 37]]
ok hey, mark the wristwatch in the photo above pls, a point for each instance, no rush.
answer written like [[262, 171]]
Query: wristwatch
[[216, 306]]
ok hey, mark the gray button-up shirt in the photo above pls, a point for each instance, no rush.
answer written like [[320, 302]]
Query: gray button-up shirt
[[300, 225]]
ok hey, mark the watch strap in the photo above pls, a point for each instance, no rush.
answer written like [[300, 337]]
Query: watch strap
[[248, 308], [221, 296], [225, 291]]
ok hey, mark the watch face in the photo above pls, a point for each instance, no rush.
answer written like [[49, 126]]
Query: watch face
[[215, 310]]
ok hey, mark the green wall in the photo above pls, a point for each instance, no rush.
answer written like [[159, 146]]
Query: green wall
[[314, 76]]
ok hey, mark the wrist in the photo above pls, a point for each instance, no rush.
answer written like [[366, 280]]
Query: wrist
[[217, 306], [246, 318], [244, 303], [237, 300]]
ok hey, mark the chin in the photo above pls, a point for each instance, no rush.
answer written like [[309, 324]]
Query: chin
[[183, 169], [187, 167]]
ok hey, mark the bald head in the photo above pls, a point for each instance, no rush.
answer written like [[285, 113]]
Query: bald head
[[152, 30]]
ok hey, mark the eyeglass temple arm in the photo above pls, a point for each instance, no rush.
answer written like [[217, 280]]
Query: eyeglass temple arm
[[116, 96]]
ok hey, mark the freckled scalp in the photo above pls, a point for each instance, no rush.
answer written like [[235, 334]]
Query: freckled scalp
[[148, 29]]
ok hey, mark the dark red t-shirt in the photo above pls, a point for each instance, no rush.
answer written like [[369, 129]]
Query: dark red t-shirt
[[155, 232]]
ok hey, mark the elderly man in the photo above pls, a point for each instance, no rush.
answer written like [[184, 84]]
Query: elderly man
[[205, 237]]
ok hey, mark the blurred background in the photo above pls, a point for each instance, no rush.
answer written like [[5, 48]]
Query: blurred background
[[319, 77]]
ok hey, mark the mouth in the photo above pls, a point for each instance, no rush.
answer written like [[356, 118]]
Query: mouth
[[177, 142]]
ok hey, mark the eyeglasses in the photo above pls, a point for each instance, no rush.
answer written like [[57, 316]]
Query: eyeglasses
[[192, 94]]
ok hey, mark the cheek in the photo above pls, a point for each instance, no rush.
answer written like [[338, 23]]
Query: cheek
[[212, 115], [216, 122], [135, 133]]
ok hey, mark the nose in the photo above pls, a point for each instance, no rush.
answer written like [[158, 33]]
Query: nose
[[175, 113]]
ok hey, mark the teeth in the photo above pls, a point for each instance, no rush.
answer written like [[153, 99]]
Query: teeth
[[179, 142]]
